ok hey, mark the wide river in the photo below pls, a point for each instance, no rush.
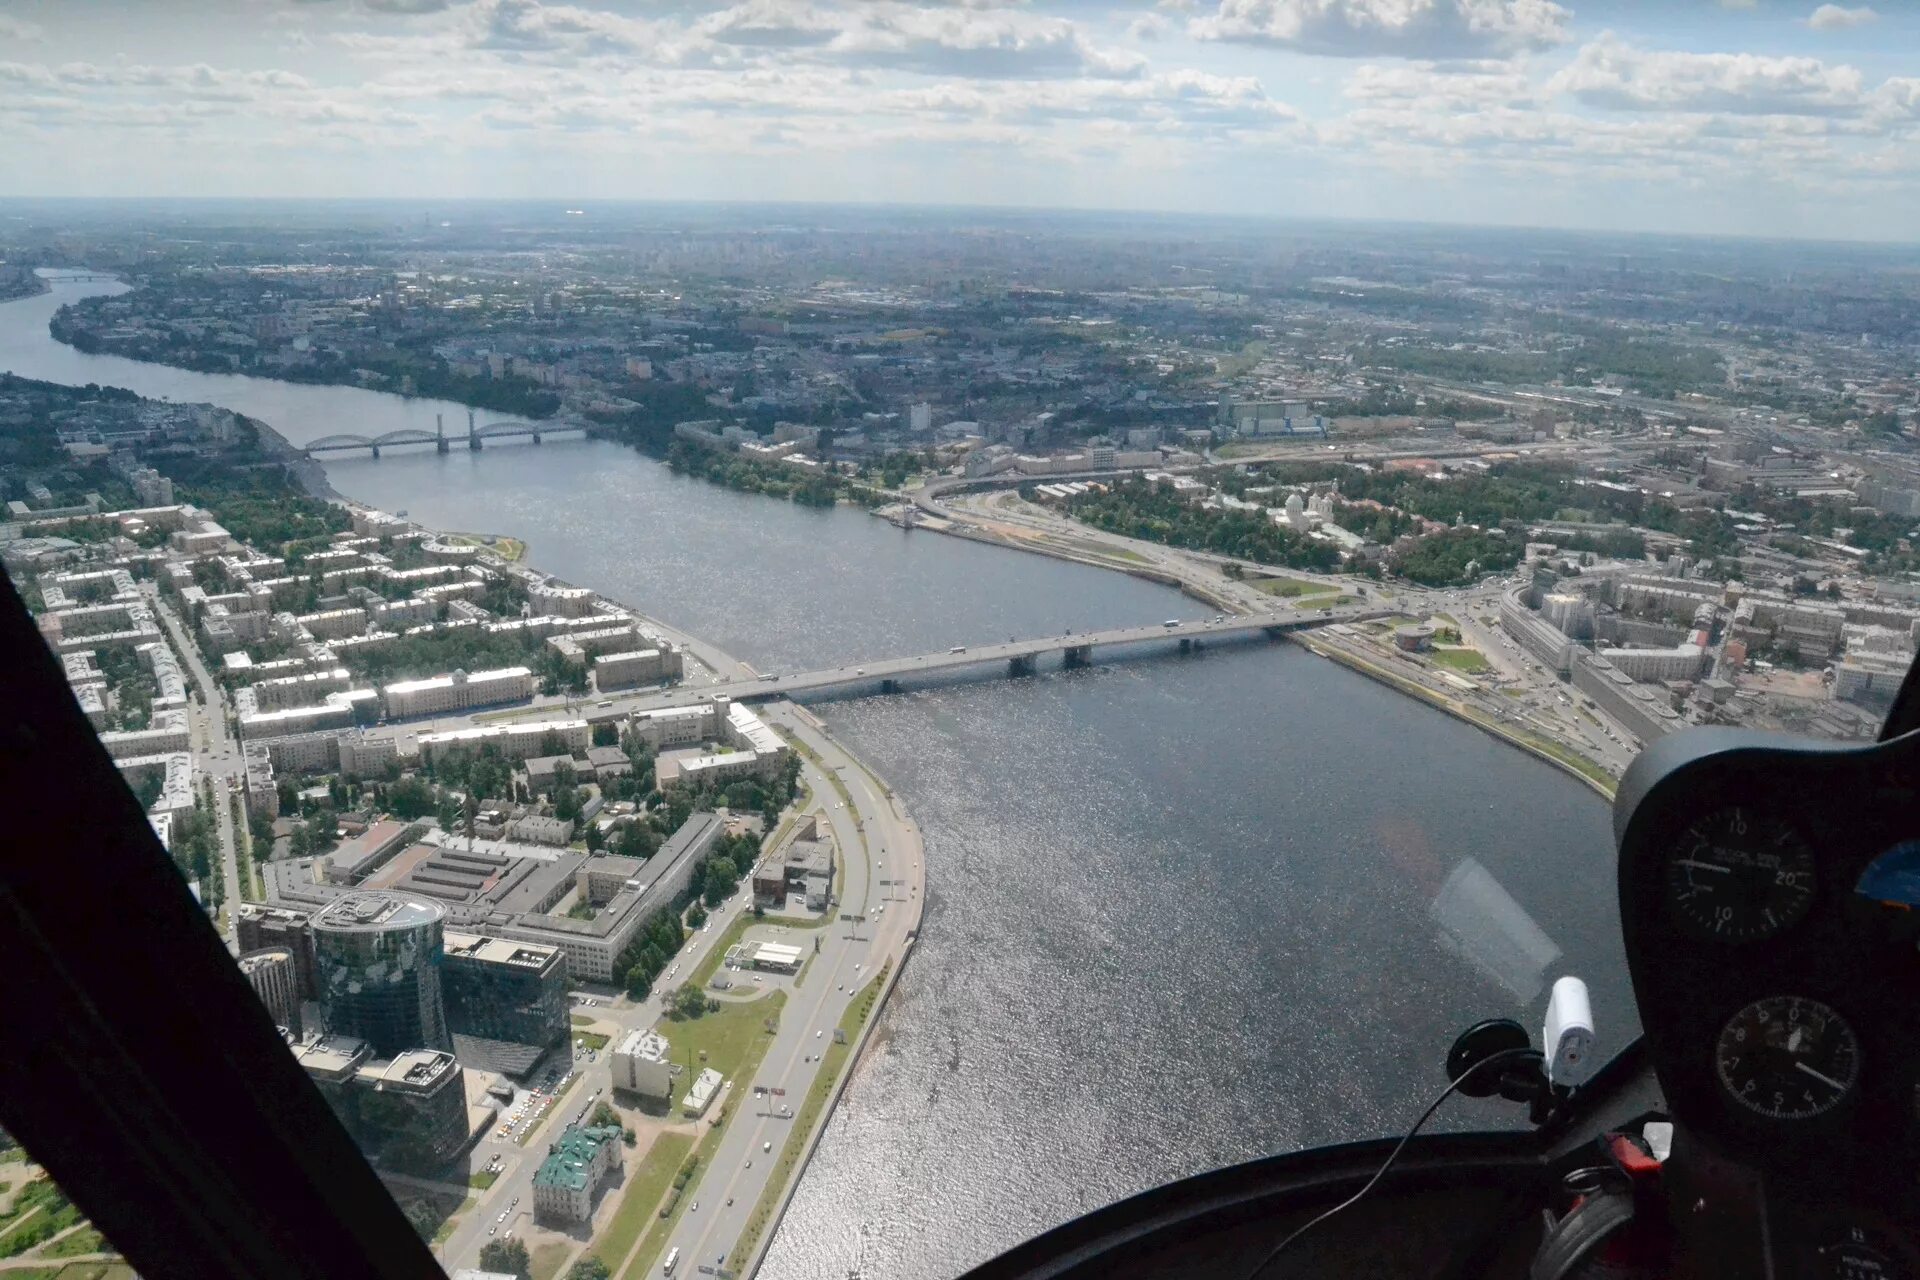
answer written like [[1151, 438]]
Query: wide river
[[1181, 912]]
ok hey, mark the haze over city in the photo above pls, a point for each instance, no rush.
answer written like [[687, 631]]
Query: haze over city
[[1743, 117]]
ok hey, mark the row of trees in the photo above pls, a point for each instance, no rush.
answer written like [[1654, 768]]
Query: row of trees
[[811, 488]]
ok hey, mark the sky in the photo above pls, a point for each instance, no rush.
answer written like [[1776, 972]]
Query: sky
[[1749, 117]]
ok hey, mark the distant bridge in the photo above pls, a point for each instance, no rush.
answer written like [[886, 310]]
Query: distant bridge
[[475, 438], [1016, 657]]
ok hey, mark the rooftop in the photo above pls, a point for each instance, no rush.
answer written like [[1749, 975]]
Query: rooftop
[[569, 1158], [487, 950], [376, 911]]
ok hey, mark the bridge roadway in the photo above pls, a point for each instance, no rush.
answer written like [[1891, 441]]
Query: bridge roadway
[[1020, 657]]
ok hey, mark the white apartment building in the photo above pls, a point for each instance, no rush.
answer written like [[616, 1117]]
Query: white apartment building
[[457, 691]]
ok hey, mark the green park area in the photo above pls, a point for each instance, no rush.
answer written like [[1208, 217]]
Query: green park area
[[1461, 659], [645, 1185], [590, 1039], [547, 1258], [1293, 588]]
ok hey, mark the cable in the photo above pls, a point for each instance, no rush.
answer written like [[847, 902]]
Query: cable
[[1393, 1155]]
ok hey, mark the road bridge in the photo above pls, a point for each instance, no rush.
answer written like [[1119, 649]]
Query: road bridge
[[475, 439], [1015, 658]]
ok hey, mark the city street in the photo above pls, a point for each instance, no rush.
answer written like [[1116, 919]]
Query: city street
[[215, 753]]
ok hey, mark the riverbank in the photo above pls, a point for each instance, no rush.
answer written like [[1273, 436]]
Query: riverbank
[[957, 522], [1597, 780]]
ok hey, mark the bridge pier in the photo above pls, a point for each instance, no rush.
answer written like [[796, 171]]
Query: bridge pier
[[1186, 644], [376, 452], [536, 437], [889, 685], [1078, 655], [441, 446], [1020, 666], [473, 443]]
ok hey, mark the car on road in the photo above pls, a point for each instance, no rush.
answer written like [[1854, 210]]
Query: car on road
[[696, 1207], [766, 1146], [959, 648]]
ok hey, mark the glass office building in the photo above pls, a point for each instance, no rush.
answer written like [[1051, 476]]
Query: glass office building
[[377, 966]]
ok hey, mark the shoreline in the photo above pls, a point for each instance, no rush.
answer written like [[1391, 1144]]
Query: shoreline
[[958, 527]]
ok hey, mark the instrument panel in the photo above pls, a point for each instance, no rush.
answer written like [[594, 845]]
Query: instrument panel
[[1770, 906]]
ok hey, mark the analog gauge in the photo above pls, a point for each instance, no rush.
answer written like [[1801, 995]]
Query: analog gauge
[[1738, 875], [1788, 1058]]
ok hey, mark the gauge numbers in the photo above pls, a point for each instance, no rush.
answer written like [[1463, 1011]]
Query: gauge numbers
[[1738, 875], [1788, 1058]]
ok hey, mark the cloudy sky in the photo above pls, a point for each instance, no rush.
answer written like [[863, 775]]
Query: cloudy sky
[[1745, 116]]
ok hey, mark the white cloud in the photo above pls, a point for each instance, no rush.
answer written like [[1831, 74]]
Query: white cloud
[[1739, 4], [1608, 72], [12, 28], [974, 43], [1835, 17], [1388, 28]]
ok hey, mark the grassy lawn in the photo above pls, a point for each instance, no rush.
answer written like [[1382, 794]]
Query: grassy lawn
[[548, 1258], [751, 1048], [41, 1212], [85, 1240], [645, 1185], [590, 1039], [1587, 767], [727, 1038], [73, 1271], [1468, 660], [858, 1011], [582, 1020], [482, 1180], [1293, 587]]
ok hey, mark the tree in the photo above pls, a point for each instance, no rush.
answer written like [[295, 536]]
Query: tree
[[425, 1221], [588, 1268], [508, 1256], [690, 1001], [720, 879], [604, 1114], [606, 734], [409, 798], [697, 916]]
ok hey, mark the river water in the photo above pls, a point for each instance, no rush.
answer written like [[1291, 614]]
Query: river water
[[1181, 912]]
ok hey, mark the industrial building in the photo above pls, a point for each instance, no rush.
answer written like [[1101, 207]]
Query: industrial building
[[509, 896]]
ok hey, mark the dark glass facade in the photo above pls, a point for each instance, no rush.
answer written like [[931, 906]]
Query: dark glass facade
[[377, 970], [498, 989]]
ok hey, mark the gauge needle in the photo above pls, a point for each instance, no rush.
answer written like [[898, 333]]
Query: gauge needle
[[1826, 1080], [1698, 865]]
